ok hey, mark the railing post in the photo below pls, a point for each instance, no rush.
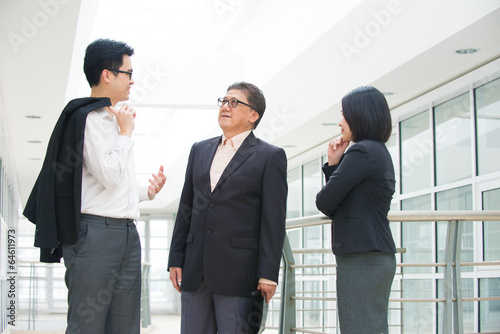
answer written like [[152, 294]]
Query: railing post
[[453, 310], [287, 309], [457, 280], [32, 297], [448, 277]]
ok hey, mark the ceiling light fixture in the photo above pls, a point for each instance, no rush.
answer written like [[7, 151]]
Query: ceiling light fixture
[[33, 116], [34, 141], [388, 93], [466, 51], [329, 124], [289, 146]]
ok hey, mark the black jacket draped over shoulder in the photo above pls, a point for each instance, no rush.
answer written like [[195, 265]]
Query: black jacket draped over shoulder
[[55, 201]]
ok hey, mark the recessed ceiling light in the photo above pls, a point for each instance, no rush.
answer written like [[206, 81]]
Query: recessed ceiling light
[[388, 93], [466, 51], [289, 146], [33, 116], [329, 124], [34, 141], [34, 158]]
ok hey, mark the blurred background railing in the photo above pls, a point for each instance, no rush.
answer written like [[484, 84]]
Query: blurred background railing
[[307, 300]]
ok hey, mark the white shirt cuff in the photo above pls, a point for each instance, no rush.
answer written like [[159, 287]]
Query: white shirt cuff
[[143, 193], [267, 281]]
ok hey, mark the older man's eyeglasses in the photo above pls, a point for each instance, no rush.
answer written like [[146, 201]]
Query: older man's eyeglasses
[[232, 103], [120, 71]]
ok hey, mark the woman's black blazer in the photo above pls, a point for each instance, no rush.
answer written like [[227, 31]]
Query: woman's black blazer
[[357, 197]]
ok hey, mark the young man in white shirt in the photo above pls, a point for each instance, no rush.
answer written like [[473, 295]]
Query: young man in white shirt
[[86, 199]]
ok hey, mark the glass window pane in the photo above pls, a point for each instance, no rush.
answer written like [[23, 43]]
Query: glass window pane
[[491, 229], [456, 199], [392, 148], [158, 227], [488, 127], [158, 243], [324, 160], [161, 295], [311, 173], [417, 237], [313, 239], [158, 263], [312, 315], [416, 149], [294, 237], [489, 311], [294, 193], [453, 140], [418, 317]]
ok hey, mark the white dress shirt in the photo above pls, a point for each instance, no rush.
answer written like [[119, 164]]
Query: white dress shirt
[[109, 186]]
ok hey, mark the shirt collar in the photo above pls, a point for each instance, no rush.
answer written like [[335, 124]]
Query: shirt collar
[[103, 112], [238, 139]]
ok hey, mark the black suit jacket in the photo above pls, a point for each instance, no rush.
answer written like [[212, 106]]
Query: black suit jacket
[[357, 196], [234, 235], [55, 202]]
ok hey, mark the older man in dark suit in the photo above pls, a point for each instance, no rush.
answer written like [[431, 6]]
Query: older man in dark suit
[[230, 227]]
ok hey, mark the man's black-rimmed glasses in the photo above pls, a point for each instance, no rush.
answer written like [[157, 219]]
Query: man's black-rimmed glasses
[[232, 103], [120, 71]]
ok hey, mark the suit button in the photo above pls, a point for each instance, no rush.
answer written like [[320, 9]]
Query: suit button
[[208, 232], [211, 205]]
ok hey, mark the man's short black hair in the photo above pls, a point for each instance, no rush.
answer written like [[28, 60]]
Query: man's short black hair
[[255, 97], [103, 54], [366, 111]]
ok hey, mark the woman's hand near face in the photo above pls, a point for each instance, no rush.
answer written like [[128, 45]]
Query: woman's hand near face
[[336, 148]]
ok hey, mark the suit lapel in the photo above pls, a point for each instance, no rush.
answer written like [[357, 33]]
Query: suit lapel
[[244, 152], [207, 163]]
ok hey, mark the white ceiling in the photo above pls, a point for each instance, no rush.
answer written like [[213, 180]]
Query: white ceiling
[[304, 55]]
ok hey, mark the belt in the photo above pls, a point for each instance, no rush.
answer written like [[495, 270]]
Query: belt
[[109, 219]]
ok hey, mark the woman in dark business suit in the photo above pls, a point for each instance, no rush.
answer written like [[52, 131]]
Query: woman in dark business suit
[[357, 197]]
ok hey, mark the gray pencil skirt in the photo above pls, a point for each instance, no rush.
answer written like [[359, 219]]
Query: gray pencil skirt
[[363, 287]]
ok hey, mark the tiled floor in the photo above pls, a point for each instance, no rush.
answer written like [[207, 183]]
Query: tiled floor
[[56, 323], [162, 324]]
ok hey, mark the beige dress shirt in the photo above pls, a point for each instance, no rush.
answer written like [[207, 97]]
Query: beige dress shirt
[[225, 152]]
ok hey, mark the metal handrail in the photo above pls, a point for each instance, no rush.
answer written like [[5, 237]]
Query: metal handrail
[[452, 314], [406, 216]]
